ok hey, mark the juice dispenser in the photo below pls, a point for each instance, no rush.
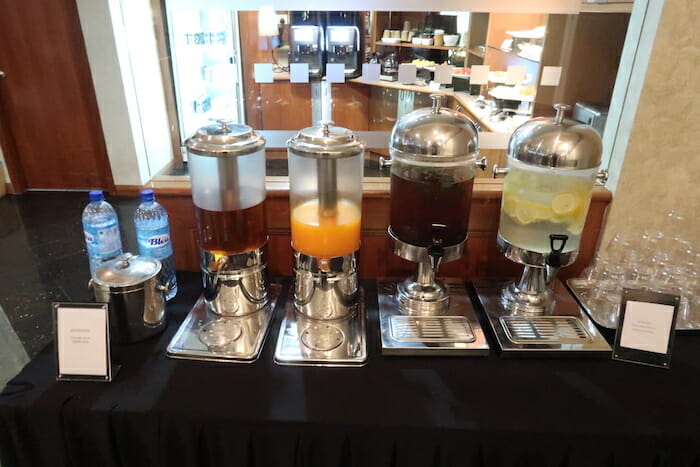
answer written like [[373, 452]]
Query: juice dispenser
[[227, 171], [552, 167], [433, 164], [324, 323]]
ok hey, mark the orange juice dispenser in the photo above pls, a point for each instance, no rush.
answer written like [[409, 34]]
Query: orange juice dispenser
[[433, 165], [226, 162], [552, 167], [324, 322]]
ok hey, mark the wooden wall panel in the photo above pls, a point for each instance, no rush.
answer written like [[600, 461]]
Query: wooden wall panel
[[48, 108], [482, 258]]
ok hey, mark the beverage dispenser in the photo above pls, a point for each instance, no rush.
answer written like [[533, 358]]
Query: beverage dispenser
[[343, 41], [433, 164], [552, 167], [324, 323], [226, 162], [307, 41]]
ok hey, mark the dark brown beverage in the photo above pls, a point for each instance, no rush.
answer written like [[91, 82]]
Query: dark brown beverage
[[432, 209], [230, 232]]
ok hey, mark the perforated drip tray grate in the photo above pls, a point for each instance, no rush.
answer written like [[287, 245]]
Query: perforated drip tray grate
[[431, 329], [544, 329]]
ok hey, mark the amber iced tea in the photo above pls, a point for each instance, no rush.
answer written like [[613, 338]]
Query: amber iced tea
[[231, 232], [419, 209]]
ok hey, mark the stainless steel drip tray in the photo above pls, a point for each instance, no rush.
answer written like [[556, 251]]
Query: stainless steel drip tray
[[205, 335], [305, 341], [457, 332], [566, 331]]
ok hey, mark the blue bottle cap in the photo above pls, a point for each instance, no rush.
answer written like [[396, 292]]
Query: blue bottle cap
[[147, 195], [96, 195]]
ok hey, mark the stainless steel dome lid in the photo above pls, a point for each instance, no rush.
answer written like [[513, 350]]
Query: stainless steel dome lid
[[324, 141], [435, 134], [556, 143], [126, 270], [223, 139]]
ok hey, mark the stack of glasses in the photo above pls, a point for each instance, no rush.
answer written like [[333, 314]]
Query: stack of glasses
[[656, 260]]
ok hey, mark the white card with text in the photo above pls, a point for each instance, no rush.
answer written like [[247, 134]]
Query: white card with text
[[443, 74], [407, 73], [551, 75], [82, 340], [299, 73], [335, 72], [647, 326], [479, 74], [263, 72], [371, 72]]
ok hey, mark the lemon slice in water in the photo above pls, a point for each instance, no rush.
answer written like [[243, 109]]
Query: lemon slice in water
[[564, 203]]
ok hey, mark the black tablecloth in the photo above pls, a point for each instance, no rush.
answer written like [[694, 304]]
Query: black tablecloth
[[395, 411]]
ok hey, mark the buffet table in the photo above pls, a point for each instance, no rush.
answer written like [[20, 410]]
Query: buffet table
[[395, 411]]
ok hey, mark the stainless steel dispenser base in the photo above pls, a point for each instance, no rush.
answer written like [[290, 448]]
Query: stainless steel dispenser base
[[305, 341], [566, 330], [456, 332], [239, 339]]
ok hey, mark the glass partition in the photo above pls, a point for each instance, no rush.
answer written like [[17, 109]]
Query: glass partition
[[498, 68]]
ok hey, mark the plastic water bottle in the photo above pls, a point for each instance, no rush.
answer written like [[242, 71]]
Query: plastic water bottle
[[101, 228], [153, 236]]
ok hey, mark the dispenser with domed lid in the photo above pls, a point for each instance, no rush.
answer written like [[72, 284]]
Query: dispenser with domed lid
[[553, 164], [433, 164]]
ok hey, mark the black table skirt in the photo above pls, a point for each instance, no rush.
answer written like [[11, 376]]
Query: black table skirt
[[395, 411]]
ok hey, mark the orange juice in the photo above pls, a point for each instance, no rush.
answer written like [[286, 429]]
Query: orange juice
[[326, 235]]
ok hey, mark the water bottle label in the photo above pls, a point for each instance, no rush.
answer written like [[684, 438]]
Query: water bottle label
[[155, 243], [103, 241]]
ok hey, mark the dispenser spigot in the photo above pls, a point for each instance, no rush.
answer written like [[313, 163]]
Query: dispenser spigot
[[554, 260]]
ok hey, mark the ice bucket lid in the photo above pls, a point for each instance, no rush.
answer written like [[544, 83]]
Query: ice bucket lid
[[326, 141], [556, 143], [126, 270], [435, 134], [223, 139]]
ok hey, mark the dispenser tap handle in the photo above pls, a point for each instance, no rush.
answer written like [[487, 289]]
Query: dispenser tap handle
[[497, 171], [384, 162], [481, 163], [435, 254], [554, 257]]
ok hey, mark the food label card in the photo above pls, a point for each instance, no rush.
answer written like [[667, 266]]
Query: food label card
[[646, 327], [82, 341]]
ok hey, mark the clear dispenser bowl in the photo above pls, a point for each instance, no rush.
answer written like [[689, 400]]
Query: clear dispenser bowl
[[430, 201], [221, 183], [325, 203], [538, 202], [229, 197]]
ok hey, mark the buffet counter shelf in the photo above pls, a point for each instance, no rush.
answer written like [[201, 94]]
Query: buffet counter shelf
[[467, 101], [401, 411]]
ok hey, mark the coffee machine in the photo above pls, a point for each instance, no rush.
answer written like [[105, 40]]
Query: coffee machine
[[230, 321], [307, 41], [343, 41], [324, 323], [433, 165], [552, 167]]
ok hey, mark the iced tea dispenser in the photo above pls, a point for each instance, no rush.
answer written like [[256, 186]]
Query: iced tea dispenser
[[226, 162], [433, 165], [324, 322]]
